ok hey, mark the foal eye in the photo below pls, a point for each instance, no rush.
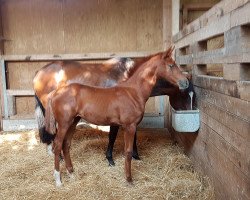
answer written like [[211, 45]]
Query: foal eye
[[171, 65]]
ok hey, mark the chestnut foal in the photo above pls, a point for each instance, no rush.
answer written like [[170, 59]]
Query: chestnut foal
[[122, 105]]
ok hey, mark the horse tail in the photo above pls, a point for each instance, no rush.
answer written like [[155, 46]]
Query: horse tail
[[45, 137], [50, 122]]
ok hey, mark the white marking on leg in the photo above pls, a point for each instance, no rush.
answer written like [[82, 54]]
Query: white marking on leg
[[57, 178], [49, 149]]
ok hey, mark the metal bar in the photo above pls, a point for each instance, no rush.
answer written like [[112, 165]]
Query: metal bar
[[4, 92]]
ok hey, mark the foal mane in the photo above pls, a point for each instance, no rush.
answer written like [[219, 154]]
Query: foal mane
[[141, 61]]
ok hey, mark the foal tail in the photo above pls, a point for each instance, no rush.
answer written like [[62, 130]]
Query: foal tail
[[45, 137], [50, 122]]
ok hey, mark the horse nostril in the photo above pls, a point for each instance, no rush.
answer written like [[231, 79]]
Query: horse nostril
[[183, 84]]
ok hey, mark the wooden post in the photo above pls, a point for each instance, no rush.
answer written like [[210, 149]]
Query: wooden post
[[166, 20], [4, 90], [175, 16]]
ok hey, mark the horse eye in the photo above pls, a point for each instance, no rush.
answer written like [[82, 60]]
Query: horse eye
[[171, 65]]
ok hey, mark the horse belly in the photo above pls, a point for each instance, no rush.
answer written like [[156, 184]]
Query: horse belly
[[97, 115]]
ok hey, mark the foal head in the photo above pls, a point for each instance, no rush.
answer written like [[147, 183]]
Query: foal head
[[169, 70]]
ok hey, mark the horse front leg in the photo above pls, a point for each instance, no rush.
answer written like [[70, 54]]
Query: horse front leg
[[129, 139], [112, 137], [135, 151]]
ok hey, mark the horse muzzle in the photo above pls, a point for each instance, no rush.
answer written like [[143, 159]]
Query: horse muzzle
[[183, 84]]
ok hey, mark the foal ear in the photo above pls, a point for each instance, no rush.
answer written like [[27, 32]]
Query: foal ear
[[168, 53]]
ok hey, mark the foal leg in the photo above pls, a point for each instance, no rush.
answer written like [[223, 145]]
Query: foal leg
[[112, 137], [129, 139], [58, 142], [67, 145]]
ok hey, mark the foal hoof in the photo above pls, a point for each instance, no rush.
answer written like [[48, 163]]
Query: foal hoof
[[129, 180], [59, 184]]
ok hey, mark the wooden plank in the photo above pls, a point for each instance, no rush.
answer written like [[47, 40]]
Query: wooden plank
[[167, 22], [214, 14], [230, 104], [198, 150], [212, 56], [229, 142], [175, 16], [213, 29], [236, 71], [20, 92], [199, 6], [184, 60], [86, 56], [244, 89], [241, 16], [231, 121], [238, 89], [41, 30], [11, 105], [218, 56], [235, 183], [4, 85]]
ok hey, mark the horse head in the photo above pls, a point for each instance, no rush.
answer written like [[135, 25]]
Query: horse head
[[170, 71]]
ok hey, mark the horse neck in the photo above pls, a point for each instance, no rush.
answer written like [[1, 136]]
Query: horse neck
[[143, 80]]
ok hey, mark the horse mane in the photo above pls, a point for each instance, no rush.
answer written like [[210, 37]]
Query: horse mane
[[123, 66]]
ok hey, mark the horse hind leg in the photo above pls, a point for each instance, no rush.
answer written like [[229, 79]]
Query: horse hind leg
[[112, 137], [129, 139]]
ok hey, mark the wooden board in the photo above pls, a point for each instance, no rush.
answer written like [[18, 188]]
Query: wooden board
[[230, 104], [231, 121], [82, 26], [236, 89], [233, 182]]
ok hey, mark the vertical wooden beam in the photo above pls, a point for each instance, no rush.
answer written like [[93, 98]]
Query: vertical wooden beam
[[166, 24], [175, 16], [4, 88]]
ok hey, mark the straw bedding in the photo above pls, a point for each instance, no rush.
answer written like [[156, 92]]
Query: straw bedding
[[163, 173]]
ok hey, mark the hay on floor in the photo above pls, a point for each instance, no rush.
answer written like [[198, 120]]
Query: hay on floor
[[163, 173]]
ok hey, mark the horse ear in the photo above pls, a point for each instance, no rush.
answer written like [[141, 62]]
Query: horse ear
[[171, 49], [168, 53]]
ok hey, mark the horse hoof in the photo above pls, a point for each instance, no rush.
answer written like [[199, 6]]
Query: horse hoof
[[136, 157], [111, 163]]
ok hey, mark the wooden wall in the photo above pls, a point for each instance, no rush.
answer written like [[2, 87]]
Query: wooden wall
[[221, 147], [37, 27]]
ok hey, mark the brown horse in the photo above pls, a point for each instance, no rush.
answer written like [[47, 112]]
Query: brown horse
[[122, 105], [106, 74]]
